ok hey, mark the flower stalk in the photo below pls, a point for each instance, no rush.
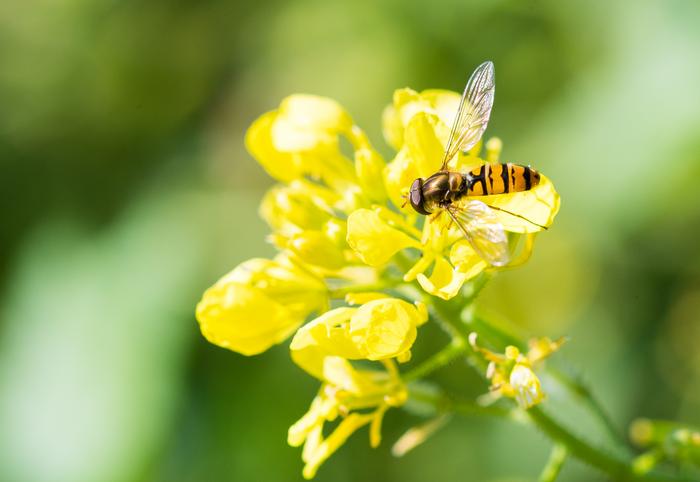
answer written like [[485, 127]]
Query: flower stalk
[[557, 457]]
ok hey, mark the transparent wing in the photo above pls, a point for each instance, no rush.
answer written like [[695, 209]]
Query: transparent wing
[[473, 112], [482, 229]]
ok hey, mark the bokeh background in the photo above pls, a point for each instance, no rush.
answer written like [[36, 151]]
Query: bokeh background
[[126, 191]]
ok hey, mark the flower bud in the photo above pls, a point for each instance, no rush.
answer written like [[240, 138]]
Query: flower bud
[[258, 304]]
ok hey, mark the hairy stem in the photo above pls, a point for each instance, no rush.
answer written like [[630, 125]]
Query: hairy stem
[[443, 403], [440, 359], [585, 395]]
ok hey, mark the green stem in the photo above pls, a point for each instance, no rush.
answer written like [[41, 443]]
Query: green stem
[[446, 404], [438, 360], [445, 314], [557, 457], [579, 448], [618, 467], [502, 338], [585, 394]]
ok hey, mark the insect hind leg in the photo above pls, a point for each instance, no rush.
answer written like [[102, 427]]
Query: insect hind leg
[[518, 216]]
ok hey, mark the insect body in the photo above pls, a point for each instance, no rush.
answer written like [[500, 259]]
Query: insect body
[[447, 187], [450, 191]]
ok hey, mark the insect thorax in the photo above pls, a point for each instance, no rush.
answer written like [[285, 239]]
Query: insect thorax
[[443, 187]]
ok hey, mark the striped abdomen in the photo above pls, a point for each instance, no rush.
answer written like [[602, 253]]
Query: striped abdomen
[[498, 178]]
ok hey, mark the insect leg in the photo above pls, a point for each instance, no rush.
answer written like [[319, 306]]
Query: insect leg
[[517, 216]]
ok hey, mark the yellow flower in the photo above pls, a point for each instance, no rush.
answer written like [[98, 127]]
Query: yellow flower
[[512, 373], [339, 220], [358, 397], [258, 304], [296, 207], [302, 138], [308, 122], [380, 329], [407, 103], [349, 197], [417, 125], [375, 240]]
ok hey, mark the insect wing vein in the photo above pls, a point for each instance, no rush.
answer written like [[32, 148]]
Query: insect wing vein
[[473, 112], [481, 228]]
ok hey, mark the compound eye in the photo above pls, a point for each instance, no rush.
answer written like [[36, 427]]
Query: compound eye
[[415, 196]]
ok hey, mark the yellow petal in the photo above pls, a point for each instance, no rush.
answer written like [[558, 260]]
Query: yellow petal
[[315, 113], [313, 440], [385, 328], [392, 127], [407, 103], [527, 387], [308, 122], [258, 141], [340, 374], [375, 427], [323, 337], [404, 357], [424, 143], [444, 103], [289, 209], [364, 297], [528, 243], [336, 230], [465, 260], [444, 282], [464, 162], [423, 263], [346, 428], [539, 205], [297, 433], [369, 167], [288, 137], [421, 155], [374, 241], [315, 248], [493, 149], [541, 348], [243, 319], [417, 435], [297, 290], [378, 330], [398, 176]]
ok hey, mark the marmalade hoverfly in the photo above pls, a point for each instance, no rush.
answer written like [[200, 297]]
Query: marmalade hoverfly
[[449, 191]]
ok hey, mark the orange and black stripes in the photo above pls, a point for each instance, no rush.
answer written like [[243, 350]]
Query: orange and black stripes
[[499, 178], [446, 187]]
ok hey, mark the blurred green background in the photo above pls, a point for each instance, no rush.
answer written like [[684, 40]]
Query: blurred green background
[[126, 191]]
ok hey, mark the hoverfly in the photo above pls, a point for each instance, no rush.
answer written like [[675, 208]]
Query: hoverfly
[[449, 191]]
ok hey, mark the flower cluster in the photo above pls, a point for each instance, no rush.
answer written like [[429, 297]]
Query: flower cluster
[[512, 374], [339, 222], [664, 440]]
